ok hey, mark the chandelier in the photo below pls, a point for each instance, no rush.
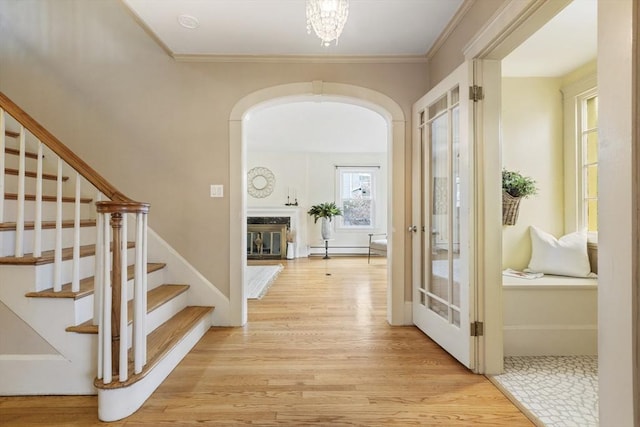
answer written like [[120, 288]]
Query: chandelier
[[327, 18]]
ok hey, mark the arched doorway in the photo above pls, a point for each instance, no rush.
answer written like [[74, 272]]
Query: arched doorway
[[376, 101]]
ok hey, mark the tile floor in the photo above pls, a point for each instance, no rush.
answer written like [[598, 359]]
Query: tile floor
[[560, 391]]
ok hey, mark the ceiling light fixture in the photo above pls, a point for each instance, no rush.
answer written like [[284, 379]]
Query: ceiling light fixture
[[327, 18]]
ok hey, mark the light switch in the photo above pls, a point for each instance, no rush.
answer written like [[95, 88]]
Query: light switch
[[217, 190]]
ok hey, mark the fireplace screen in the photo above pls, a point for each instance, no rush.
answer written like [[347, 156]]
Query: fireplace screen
[[266, 241]]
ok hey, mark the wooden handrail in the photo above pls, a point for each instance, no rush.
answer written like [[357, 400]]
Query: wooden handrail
[[61, 150], [122, 207]]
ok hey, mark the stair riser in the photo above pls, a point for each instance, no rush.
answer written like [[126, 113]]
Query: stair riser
[[49, 187], [7, 239], [87, 211], [84, 306], [43, 274]]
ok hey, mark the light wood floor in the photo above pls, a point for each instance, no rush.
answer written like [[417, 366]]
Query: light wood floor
[[317, 350]]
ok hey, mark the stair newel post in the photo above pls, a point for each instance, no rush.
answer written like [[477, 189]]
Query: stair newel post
[[75, 279], [19, 249], [57, 265], [3, 129], [37, 223], [116, 290]]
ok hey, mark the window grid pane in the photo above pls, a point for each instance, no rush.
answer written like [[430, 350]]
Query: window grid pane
[[356, 198], [590, 162]]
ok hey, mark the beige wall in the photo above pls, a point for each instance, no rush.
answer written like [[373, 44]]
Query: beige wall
[[532, 144], [156, 128], [451, 54]]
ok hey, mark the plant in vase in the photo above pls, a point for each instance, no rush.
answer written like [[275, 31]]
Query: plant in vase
[[326, 211], [515, 187]]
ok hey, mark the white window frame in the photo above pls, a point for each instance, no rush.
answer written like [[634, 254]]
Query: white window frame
[[574, 186], [373, 170]]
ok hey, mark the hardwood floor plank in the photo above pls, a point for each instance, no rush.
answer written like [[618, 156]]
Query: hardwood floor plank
[[317, 351]]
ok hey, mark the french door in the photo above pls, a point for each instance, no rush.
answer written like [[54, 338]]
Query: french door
[[442, 203]]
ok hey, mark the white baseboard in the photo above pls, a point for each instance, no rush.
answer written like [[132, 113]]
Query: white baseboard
[[547, 340]]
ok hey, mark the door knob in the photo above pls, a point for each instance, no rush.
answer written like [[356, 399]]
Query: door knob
[[413, 228]]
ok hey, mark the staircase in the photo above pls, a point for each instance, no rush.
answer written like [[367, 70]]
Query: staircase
[[82, 309]]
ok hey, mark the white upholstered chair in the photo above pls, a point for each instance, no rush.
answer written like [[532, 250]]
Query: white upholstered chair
[[377, 244]]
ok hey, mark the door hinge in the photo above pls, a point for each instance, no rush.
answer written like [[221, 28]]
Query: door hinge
[[476, 93], [477, 329]]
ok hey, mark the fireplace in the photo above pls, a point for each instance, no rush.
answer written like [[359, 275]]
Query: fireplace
[[267, 237], [266, 241], [276, 215]]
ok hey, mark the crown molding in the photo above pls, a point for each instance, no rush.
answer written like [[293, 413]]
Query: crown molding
[[453, 23], [337, 59]]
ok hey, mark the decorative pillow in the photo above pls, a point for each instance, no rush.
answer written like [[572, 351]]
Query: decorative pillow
[[566, 256]]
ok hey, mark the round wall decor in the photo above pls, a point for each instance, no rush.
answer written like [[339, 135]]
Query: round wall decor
[[260, 182]]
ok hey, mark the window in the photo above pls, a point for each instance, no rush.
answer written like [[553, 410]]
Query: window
[[581, 156], [356, 196], [589, 137]]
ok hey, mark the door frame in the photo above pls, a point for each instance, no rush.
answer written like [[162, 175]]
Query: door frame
[[397, 308], [510, 26]]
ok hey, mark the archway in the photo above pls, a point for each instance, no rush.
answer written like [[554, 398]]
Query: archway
[[376, 101]]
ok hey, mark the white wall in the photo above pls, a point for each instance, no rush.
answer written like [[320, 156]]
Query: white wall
[[313, 177], [532, 143]]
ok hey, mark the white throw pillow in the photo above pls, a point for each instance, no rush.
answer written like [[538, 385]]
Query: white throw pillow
[[566, 256]]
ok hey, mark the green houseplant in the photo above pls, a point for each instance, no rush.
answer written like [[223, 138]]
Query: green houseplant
[[326, 211], [515, 187]]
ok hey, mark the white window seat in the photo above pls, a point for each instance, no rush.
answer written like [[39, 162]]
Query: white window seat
[[550, 316]]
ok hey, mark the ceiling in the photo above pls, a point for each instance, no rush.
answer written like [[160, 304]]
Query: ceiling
[[378, 28], [324, 127], [278, 27], [567, 41]]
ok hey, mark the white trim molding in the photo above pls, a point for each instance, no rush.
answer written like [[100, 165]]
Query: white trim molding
[[371, 99]]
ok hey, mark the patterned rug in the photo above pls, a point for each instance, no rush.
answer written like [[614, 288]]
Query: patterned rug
[[258, 279], [559, 391]]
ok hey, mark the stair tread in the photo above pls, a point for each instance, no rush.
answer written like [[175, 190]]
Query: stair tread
[[48, 256], [86, 285], [30, 225], [32, 197], [15, 152], [155, 298], [162, 341], [31, 174], [11, 133]]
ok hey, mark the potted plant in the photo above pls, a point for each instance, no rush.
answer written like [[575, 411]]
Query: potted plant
[[326, 211], [515, 187]]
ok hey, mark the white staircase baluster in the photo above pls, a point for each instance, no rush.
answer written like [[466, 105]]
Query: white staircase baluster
[[124, 317], [105, 323], [139, 337], [37, 224], [75, 281], [3, 129], [19, 249], [143, 319], [97, 278], [57, 263]]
